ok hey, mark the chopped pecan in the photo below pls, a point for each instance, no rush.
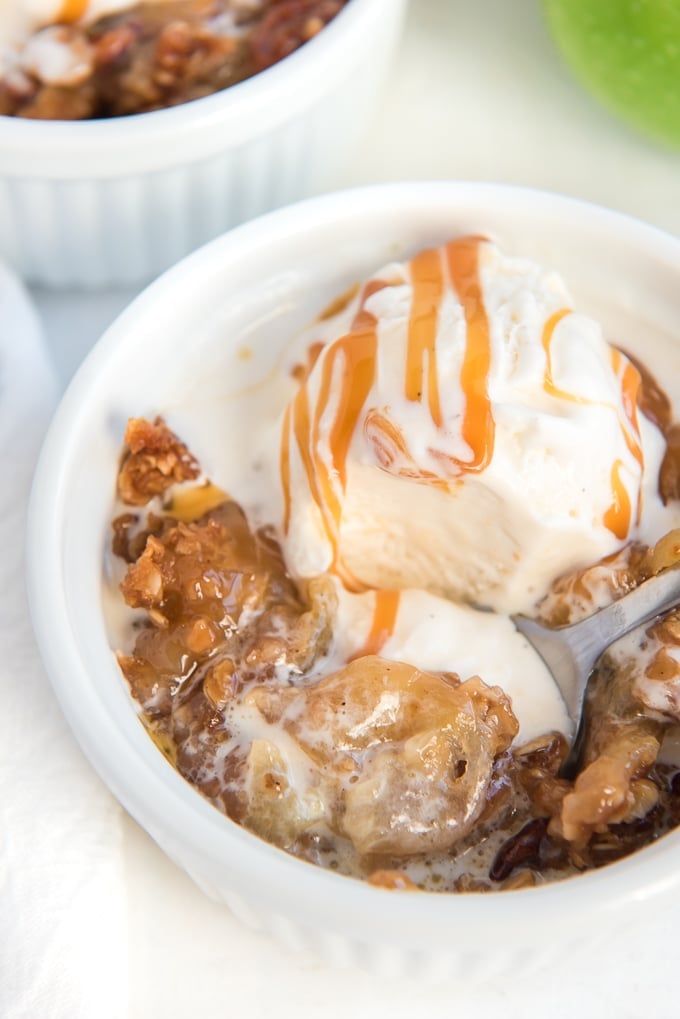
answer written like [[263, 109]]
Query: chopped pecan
[[521, 850]]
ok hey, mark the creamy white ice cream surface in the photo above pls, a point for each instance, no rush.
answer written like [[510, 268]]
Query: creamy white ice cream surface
[[467, 432]]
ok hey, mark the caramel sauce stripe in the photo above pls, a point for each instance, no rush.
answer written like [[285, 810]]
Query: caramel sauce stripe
[[618, 517], [385, 612], [72, 10], [421, 382], [344, 375], [478, 426]]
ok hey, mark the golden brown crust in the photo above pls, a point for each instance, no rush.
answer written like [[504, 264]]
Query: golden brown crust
[[154, 460]]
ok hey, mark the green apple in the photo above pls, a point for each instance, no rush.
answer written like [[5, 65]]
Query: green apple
[[627, 53]]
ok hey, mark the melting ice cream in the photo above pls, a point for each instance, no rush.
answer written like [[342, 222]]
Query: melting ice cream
[[464, 430]]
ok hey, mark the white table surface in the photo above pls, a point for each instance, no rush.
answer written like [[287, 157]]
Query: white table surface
[[477, 93]]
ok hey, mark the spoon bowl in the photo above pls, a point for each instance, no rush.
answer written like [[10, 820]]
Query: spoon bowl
[[571, 652]]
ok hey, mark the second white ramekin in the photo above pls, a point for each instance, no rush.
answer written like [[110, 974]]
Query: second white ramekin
[[115, 202]]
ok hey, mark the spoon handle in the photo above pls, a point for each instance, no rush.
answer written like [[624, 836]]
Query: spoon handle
[[641, 605], [570, 652]]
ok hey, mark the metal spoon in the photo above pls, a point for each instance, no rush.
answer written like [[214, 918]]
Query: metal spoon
[[571, 652]]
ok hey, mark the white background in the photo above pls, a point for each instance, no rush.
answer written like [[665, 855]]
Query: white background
[[477, 92]]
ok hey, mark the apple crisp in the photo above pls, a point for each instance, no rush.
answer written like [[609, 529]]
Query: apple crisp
[[403, 777]]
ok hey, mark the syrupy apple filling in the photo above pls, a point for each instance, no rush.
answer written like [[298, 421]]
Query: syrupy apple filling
[[373, 767]]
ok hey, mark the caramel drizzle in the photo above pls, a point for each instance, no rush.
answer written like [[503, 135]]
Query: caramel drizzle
[[548, 381], [385, 611], [421, 356], [386, 438], [618, 516], [390, 446], [422, 376], [359, 350], [630, 388], [478, 426], [72, 10], [301, 372], [354, 358]]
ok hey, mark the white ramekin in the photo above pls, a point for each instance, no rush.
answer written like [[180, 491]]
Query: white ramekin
[[115, 202], [273, 273]]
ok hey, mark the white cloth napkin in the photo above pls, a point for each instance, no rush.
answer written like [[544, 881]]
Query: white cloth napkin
[[63, 931]]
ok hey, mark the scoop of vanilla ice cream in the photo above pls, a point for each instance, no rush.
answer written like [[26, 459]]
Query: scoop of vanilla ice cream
[[466, 432]]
